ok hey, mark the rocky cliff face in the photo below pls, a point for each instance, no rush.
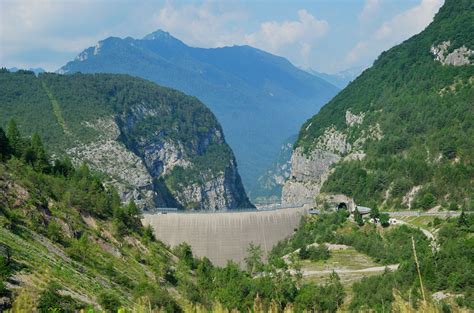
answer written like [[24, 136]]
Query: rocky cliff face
[[133, 173], [269, 185], [307, 176], [160, 155], [156, 145], [217, 193], [309, 170], [125, 170], [456, 57]]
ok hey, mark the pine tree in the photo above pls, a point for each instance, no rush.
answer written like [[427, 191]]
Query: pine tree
[[384, 220], [39, 156], [132, 209], [17, 144], [4, 145], [253, 261]]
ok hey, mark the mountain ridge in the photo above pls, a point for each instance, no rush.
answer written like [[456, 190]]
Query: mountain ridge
[[260, 99]]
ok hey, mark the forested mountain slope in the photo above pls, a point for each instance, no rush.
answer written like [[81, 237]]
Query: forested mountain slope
[[402, 134], [156, 145], [260, 99], [67, 244]]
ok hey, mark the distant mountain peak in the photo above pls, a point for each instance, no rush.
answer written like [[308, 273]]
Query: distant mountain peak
[[159, 35]]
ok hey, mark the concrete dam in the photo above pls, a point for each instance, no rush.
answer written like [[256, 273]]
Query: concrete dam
[[227, 235]]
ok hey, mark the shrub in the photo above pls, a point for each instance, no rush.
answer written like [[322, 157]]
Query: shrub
[[51, 301], [109, 301]]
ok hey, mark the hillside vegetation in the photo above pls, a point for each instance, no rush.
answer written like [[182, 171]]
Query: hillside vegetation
[[445, 269], [107, 119], [415, 121], [66, 243]]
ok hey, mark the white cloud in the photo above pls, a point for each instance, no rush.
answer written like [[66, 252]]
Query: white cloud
[[369, 10], [40, 30], [49, 32], [210, 25], [395, 30], [273, 35], [204, 25]]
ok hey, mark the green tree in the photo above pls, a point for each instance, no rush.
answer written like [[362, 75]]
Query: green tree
[[35, 154], [132, 210], [51, 301], [428, 201], [4, 145], [253, 261], [358, 218], [54, 231], [384, 220], [318, 253], [63, 167], [184, 252], [15, 139], [148, 233], [303, 253], [109, 301], [462, 220], [374, 213]]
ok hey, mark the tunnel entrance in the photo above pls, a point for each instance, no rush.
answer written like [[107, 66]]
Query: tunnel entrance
[[342, 206]]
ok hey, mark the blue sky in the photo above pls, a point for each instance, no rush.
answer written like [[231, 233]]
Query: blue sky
[[325, 35]]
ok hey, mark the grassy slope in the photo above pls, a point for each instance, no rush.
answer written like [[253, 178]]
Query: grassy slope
[[44, 244]]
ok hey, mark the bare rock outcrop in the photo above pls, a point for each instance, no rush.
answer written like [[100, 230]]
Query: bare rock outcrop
[[457, 57], [309, 170], [126, 171], [308, 174]]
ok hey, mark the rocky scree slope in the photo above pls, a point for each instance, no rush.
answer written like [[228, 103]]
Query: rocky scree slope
[[260, 99], [156, 145], [401, 134]]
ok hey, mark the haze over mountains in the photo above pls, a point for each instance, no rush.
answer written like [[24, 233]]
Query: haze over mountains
[[340, 79], [259, 98]]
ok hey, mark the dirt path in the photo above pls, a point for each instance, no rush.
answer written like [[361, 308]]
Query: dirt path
[[349, 271], [426, 232]]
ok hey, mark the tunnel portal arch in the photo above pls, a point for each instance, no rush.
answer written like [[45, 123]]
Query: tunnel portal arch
[[342, 206]]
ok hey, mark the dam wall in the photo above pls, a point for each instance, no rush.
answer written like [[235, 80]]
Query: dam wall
[[225, 236]]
